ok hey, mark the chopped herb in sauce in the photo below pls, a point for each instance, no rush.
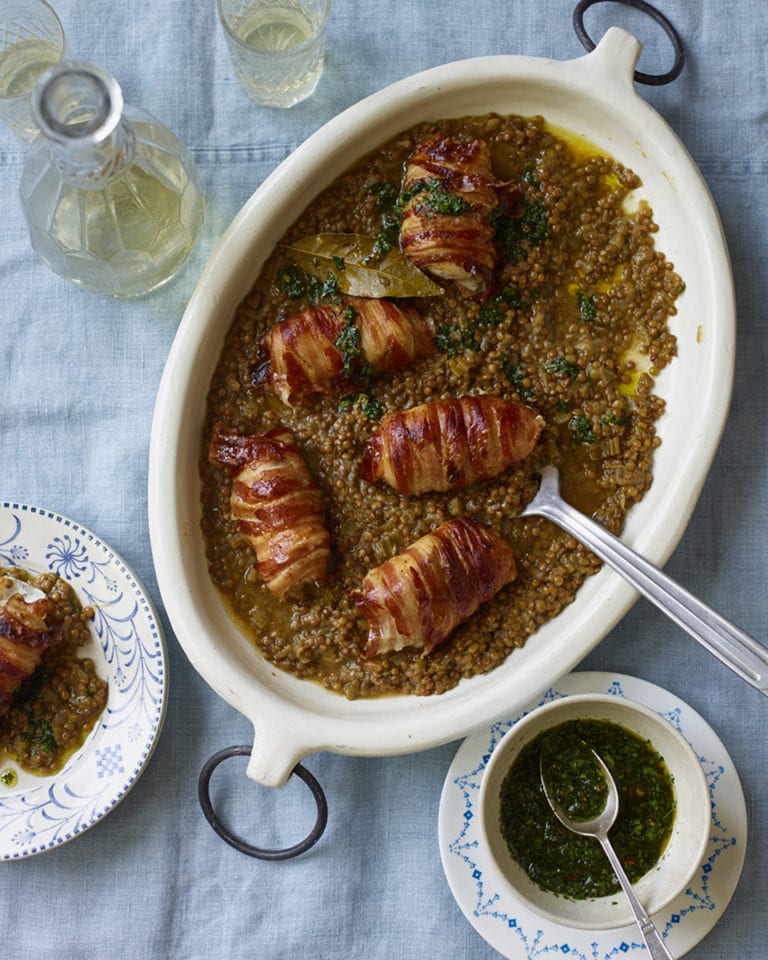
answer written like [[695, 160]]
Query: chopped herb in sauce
[[581, 429], [517, 376], [451, 339], [517, 236], [611, 420], [349, 344], [297, 284], [292, 282], [355, 366], [557, 859], [369, 404], [385, 194], [561, 365], [9, 778], [434, 198], [388, 201], [587, 307]]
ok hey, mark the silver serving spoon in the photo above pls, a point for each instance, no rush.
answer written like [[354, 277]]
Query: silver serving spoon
[[727, 642], [598, 828]]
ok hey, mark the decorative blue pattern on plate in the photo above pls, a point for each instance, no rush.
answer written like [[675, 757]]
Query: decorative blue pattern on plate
[[127, 646], [518, 933]]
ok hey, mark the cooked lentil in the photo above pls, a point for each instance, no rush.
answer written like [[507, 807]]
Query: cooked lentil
[[577, 329], [55, 709]]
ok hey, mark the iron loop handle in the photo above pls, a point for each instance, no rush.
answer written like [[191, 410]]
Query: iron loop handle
[[653, 79], [204, 797]]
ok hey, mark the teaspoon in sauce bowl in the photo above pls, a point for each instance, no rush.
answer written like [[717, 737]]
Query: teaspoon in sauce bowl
[[598, 828]]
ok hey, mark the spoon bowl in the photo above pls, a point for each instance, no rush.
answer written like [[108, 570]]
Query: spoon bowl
[[597, 826]]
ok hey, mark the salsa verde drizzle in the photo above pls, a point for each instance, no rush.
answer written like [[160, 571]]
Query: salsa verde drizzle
[[561, 861]]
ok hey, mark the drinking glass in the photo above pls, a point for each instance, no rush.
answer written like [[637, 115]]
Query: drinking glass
[[277, 46], [31, 40]]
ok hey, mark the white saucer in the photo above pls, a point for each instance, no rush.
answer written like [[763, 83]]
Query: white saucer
[[127, 647], [518, 933]]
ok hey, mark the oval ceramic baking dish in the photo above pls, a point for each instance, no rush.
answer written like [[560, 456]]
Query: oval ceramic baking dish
[[592, 96]]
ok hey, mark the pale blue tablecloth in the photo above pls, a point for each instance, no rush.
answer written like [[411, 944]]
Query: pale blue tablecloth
[[79, 376]]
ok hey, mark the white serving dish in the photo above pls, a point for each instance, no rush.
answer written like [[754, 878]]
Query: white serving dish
[[592, 96]]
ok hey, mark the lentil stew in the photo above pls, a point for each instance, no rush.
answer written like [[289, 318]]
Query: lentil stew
[[55, 708], [575, 326]]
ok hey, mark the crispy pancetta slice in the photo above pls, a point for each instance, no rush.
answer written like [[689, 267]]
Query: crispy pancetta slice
[[24, 635], [323, 349], [420, 596], [447, 444], [277, 507], [449, 190]]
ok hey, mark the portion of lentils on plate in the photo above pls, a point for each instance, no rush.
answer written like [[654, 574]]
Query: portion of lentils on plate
[[573, 326], [55, 708]]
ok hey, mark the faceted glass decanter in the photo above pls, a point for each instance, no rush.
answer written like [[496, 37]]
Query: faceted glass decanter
[[112, 199]]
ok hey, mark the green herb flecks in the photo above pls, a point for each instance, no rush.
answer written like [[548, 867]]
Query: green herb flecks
[[517, 236], [297, 284], [515, 373], [561, 365], [349, 344], [386, 195], [581, 429], [452, 339], [369, 403], [587, 307], [431, 196], [356, 368], [388, 201], [41, 736], [292, 282], [611, 420]]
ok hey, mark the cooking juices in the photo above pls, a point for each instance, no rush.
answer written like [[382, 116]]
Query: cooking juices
[[561, 861]]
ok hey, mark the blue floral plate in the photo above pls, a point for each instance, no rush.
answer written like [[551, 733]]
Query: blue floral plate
[[518, 933], [127, 647]]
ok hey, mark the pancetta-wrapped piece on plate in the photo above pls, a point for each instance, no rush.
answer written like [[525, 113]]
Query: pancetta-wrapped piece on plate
[[420, 596], [323, 349], [447, 444], [277, 506], [24, 635], [449, 190]]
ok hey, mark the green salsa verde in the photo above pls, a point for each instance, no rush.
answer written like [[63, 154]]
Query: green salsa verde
[[561, 861]]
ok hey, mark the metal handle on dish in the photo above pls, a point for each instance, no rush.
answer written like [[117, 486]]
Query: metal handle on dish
[[727, 642], [261, 853], [655, 79]]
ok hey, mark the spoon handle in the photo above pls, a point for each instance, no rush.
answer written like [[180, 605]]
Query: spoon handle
[[657, 949], [727, 642]]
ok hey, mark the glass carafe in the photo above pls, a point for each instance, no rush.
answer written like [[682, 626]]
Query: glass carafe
[[112, 199]]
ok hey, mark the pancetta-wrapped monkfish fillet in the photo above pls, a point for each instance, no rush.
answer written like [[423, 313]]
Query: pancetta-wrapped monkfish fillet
[[447, 444], [24, 635], [420, 596], [449, 190], [277, 506], [322, 349]]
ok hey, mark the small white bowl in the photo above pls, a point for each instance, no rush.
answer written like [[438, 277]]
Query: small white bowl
[[690, 833]]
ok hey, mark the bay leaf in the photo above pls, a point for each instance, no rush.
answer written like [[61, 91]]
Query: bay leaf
[[353, 261]]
